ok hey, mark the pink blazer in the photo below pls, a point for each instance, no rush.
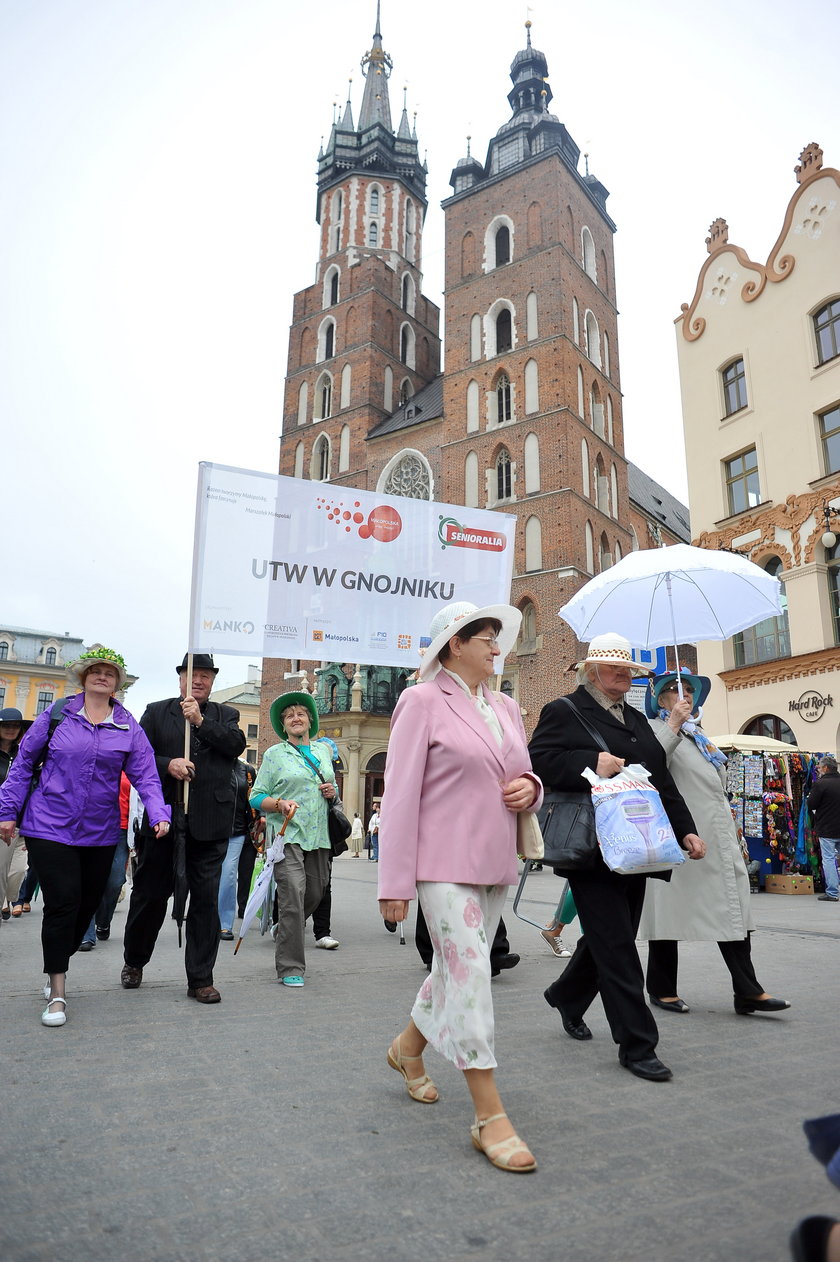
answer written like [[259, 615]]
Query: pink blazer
[[442, 815]]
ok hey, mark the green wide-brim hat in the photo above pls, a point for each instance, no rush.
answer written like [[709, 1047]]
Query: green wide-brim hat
[[293, 698]]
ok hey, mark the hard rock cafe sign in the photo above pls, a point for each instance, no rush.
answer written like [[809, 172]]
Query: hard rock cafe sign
[[811, 705]]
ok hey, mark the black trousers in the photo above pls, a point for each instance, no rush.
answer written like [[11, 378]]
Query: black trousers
[[423, 942], [322, 913], [606, 959], [73, 880], [153, 884], [663, 960]]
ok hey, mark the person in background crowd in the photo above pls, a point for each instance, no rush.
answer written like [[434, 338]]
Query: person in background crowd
[[609, 904], [100, 924], [215, 744], [322, 915], [824, 805], [457, 760], [357, 836], [564, 914], [708, 901], [244, 818], [13, 856], [373, 833], [501, 956], [296, 780], [71, 817]]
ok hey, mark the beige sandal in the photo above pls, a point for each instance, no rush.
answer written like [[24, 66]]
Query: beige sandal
[[417, 1087], [499, 1154]]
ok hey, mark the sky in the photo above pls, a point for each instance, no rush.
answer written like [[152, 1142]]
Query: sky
[[157, 203]]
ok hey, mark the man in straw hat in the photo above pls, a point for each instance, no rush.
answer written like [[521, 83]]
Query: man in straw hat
[[609, 905]]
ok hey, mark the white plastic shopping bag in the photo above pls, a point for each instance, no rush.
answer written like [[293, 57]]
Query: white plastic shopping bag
[[633, 830]]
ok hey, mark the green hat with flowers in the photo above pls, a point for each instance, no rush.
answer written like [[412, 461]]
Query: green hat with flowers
[[99, 656], [283, 702]]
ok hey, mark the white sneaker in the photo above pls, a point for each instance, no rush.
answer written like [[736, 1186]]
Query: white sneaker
[[327, 944], [54, 1018]]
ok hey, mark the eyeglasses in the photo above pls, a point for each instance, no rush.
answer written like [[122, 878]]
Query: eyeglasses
[[492, 640], [675, 688]]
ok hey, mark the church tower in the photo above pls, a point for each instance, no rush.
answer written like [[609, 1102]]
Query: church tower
[[531, 395], [363, 337]]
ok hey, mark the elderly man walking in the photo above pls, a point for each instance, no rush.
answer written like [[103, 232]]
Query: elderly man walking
[[215, 744], [824, 805]]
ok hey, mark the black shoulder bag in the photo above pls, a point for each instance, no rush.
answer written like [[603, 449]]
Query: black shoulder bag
[[338, 825], [567, 819]]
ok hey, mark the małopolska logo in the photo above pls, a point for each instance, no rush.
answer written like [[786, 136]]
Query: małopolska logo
[[453, 535], [383, 523]]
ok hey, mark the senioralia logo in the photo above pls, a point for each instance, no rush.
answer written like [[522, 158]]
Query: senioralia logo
[[453, 535], [383, 523]]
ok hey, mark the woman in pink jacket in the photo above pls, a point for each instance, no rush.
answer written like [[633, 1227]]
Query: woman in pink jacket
[[458, 772]]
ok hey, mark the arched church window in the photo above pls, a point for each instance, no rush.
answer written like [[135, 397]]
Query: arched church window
[[502, 245], [504, 476], [504, 331], [503, 398], [409, 476]]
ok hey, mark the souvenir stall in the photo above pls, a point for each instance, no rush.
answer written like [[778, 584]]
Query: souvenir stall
[[768, 783]]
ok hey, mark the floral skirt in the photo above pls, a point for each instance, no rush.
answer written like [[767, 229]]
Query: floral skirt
[[454, 1007]]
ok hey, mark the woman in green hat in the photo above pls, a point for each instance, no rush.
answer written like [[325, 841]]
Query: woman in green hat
[[296, 775]]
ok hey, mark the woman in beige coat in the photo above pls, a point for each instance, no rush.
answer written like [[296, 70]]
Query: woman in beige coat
[[708, 901]]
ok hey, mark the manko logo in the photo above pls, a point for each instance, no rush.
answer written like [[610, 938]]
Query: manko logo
[[383, 523], [453, 535]]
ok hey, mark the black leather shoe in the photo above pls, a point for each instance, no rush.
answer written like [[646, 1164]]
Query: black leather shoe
[[130, 978], [744, 1007], [826, 898], [649, 1067], [103, 934], [86, 946], [503, 961], [575, 1029], [669, 1005]]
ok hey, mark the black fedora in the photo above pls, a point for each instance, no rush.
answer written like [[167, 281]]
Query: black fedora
[[201, 661]]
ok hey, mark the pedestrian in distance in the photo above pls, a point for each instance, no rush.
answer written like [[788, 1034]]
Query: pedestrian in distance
[[824, 805]]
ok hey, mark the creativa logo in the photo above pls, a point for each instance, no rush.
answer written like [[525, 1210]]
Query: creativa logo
[[453, 535]]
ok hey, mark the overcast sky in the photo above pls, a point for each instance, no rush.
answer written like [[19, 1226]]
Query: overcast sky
[[157, 201]]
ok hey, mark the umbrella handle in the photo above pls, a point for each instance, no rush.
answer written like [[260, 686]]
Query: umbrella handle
[[286, 820]]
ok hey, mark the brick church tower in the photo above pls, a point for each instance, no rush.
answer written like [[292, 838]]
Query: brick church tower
[[531, 396], [363, 337]]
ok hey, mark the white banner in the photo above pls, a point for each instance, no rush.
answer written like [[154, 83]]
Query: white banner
[[290, 568]]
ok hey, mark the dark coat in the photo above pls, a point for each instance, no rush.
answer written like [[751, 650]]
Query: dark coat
[[824, 805], [214, 749], [561, 747]]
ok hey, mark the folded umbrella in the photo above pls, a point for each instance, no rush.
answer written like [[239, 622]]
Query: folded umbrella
[[262, 892]]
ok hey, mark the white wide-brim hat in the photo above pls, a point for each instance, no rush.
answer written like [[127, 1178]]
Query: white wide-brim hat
[[446, 622], [611, 649]]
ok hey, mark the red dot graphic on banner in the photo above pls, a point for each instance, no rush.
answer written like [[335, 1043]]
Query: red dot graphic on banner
[[357, 517], [346, 516], [364, 532], [384, 524]]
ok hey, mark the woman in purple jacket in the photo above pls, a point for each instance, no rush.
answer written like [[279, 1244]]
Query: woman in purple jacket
[[71, 815]]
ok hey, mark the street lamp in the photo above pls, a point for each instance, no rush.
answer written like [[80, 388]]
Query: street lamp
[[829, 538]]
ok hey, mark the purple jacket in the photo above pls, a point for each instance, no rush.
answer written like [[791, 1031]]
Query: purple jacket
[[77, 800]]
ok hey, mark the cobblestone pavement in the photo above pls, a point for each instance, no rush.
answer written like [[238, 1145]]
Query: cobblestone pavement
[[150, 1127]]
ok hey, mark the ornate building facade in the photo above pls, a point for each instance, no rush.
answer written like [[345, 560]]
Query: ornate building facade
[[759, 355]]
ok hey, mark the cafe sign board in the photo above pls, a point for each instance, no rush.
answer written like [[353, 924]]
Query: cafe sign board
[[811, 705]]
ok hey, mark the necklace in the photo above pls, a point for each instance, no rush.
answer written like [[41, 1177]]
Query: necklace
[[93, 722]]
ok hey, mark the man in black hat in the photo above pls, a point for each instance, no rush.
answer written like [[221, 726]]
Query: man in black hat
[[215, 744]]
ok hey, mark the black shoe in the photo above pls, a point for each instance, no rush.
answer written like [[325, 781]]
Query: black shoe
[[824, 898], [575, 1029], [86, 946], [744, 1007], [6, 913], [649, 1067], [809, 1239], [669, 1005], [500, 962], [391, 926], [103, 934], [226, 935]]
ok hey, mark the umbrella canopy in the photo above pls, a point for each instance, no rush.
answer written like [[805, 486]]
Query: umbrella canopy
[[262, 893], [674, 595]]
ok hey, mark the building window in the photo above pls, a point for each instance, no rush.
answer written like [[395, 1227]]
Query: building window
[[410, 477], [833, 559], [405, 392], [49, 657], [2, 698], [769, 639], [45, 700], [503, 402], [253, 731], [323, 397], [593, 338], [588, 253], [734, 387], [504, 331], [334, 289], [320, 469], [373, 235], [502, 245], [827, 331], [407, 293], [329, 341], [4, 651], [374, 201], [527, 642], [830, 434], [504, 481], [742, 490], [770, 725]]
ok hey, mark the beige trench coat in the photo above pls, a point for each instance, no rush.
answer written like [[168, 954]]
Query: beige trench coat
[[706, 900]]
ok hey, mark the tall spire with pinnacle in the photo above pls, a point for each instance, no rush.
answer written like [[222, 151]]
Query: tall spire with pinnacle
[[376, 67]]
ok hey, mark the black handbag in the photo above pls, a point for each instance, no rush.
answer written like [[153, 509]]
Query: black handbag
[[567, 819]]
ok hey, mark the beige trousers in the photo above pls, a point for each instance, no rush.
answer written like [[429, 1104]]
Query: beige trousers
[[301, 877], [13, 863]]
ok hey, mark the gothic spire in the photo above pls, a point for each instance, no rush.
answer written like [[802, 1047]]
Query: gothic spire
[[376, 67]]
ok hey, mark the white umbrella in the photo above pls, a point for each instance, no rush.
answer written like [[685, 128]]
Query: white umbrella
[[261, 895], [674, 595]]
